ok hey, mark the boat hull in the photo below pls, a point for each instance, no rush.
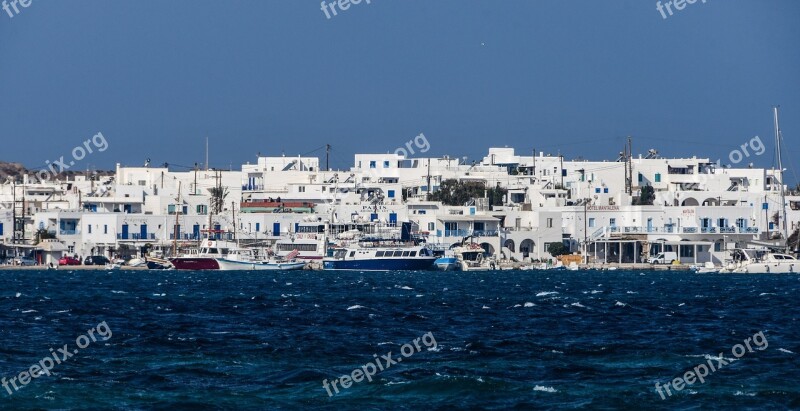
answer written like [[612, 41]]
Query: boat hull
[[230, 265], [447, 264], [767, 268], [382, 264], [194, 263]]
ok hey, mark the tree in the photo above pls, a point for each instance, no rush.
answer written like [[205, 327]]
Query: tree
[[457, 193], [557, 249], [43, 234], [217, 200], [646, 196], [793, 240]]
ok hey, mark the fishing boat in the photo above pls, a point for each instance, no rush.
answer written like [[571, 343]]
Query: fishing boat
[[467, 257], [204, 258], [249, 260]]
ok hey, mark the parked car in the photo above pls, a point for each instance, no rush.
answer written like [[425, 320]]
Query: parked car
[[96, 260], [67, 260], [666, 257], [24, 261]]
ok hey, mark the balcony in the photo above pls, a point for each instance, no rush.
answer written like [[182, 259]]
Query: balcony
[[708, 230], [136, 237], [485, 233], [69, 232]]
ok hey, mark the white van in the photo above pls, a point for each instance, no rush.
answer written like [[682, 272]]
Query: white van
[[664, 258]]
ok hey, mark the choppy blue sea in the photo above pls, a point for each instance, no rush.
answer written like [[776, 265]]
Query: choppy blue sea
[[503, 340]]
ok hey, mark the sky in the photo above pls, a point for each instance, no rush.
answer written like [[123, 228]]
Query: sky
[[574, 77]]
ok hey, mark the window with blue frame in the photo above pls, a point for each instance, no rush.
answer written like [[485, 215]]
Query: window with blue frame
[[1, 228], [597, 190], [390, 193], [641, 177], [385, 164], [658, 177], [371, 164], [605, 190]]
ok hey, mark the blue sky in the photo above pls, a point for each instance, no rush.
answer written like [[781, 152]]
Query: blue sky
[[569, 76]]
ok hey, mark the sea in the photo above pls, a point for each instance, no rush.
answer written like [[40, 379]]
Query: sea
[[496, 340]]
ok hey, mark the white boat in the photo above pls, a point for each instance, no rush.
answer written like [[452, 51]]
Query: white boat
[[755, 261], [472, 257], [707, 268], [249, 260]]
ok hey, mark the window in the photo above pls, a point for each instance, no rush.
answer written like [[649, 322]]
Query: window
[[597, 190], [641, 177], [431, 226], [105, 228], [398, 253], [406, 253], [705, 222], [605, 190], [591, 222], [301, 189], [549, 223], [612, 222], [385, 164], [741, 223], [658, 177], [722, 222], [202, 209], [1, 228], [258, 227], [371, 164], [413, 253], [391, 193], [352, 254], [379, 254], [90, 228]]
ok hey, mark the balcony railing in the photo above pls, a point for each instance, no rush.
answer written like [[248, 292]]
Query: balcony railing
[[672, 230], [136, 236], [69, 232]]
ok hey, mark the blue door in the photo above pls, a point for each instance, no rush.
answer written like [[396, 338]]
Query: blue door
[[373, 216], [276, 229], [196, 231], [143, 232], [393, 219], [124, 231], [217, 234]]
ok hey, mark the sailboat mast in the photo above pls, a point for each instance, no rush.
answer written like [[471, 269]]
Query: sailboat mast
[[780, 170]]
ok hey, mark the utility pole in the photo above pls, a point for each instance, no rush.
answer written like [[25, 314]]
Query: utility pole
[[22, 225], [178, 209], [14, 211], [585, 231], [328, 157], [428, 194], [534, 162], [630, 166], [561, 169], [233, 214], [194, 191]]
